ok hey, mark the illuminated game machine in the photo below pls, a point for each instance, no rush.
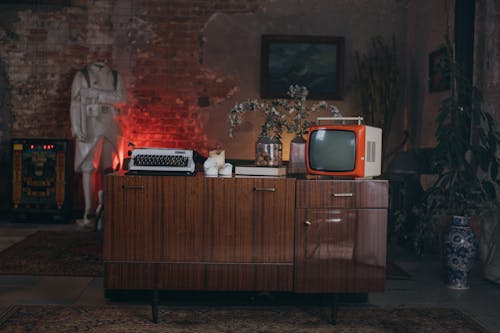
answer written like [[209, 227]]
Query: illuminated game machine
[[40, 180]]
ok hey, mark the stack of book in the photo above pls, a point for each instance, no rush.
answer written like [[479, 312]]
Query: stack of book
[[253, 170]]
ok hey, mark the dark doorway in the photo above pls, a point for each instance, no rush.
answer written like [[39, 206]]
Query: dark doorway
[[465, 13]]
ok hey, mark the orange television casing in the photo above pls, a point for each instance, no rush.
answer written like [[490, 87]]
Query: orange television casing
[[368, 155]]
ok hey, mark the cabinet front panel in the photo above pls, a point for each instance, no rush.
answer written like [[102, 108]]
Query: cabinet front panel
[[225, 220], [325, 193], [342, 194], [264, 220], [372, 194], [216, 215], [128, 275], [130, 209], [224, 277], [340, 250], [198, 233], [371, 237], [177, 237]]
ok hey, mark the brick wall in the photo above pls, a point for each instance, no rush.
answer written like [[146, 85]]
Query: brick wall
[[175, 98], [155, 45]]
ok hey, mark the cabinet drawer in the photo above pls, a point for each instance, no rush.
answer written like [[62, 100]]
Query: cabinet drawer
[[340, 250], [342, 194]]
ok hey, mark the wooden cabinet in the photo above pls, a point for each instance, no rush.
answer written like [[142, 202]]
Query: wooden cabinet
[[199, 233], [272, 234], [130, 213], [340, 236]]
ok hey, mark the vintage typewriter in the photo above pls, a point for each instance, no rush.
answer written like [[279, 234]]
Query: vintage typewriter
[[167, 161]]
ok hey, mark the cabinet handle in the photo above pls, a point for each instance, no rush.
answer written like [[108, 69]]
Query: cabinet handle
[[307, 223], [268, 189], [337, 195], [132, 187], [335, 220]]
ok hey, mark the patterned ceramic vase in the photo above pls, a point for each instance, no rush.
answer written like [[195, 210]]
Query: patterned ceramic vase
[[460, 248]]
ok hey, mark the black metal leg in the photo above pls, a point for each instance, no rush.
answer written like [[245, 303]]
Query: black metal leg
[[332, 308], [154, 305]]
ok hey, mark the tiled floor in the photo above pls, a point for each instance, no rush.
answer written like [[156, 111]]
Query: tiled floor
[[425, 288]]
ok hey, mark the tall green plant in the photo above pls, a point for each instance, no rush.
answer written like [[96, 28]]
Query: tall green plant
[[377, 83], [465, 158], [467, 141]]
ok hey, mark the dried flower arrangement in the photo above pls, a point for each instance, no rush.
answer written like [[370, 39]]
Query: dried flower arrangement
[[280, 113]]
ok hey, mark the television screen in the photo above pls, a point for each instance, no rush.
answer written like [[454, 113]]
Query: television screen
[[332, 150]]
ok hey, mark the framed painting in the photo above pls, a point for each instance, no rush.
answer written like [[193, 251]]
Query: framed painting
[[316, 62], [439, 70]]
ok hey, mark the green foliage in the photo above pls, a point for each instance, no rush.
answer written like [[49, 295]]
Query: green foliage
[[465, 158], [273, 124], [466, 162], [290, 113], [377, 83], [466, 151]]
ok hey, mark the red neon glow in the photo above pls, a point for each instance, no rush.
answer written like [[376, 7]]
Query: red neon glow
[[165, 129]]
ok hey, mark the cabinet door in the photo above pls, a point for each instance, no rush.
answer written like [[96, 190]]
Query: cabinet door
[[264, 218], [340, 250], [225, 220], [129, 216], [196, 223]]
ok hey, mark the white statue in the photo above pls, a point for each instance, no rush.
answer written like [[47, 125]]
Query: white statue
[[96, 95]]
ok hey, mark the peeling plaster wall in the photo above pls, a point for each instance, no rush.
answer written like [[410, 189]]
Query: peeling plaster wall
[[154, 44], [232, 48], [185, 63]]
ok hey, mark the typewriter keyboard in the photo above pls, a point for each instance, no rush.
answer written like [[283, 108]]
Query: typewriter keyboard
[[161, 160]]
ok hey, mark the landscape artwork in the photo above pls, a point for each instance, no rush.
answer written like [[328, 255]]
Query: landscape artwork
[[313, 62]]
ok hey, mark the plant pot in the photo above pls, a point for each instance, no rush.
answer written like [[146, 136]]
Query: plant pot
[[460, 249], [268, 152], [297, 161]]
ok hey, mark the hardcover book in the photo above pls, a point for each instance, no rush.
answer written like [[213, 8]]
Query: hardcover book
[[253, 170]]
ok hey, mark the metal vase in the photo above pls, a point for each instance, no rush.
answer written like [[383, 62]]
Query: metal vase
[[268, 152], [297, 161]]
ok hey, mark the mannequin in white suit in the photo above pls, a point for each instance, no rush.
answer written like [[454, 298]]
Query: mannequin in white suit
[[97, 93]]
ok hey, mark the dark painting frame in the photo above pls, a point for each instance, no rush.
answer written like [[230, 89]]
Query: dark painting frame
[[439, 70], [316, 62]]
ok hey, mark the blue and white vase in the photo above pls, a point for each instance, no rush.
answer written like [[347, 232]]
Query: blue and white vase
[[460, 249]]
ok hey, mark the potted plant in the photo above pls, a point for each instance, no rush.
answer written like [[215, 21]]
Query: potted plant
[[291, 113], [298, 123], [376, 84], [268, 148], [465, 157]]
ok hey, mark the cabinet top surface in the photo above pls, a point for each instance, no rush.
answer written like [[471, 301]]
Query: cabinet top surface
[[296, 177]]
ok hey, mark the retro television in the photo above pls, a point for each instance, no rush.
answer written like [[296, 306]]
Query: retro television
[[344, 148]]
